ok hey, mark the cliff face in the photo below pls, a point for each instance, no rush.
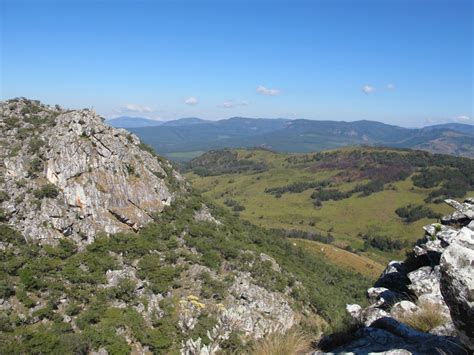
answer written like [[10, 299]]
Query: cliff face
[[425, 304], [67, 174]]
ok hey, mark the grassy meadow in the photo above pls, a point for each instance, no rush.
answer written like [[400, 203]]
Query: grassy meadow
[[345, 219]]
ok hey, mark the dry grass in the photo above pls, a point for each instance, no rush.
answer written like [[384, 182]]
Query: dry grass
[[428, 317], [341, 257], [293, 342]]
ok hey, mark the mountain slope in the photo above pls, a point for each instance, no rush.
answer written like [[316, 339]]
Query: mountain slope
[[457, 127], [171, 267], [303, 136]]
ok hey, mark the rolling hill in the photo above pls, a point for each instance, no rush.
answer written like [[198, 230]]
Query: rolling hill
[[370, 200], [186, 141]]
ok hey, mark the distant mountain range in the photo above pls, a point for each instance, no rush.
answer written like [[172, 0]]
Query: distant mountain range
[[131, 122], [188, 137], [136, 122]]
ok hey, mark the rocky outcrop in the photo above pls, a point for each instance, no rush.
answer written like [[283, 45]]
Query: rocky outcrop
[[435, 285], [457, 284], [257, 311], [68, 174]]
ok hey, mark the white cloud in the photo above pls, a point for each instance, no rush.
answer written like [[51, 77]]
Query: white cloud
[[227, 104], [390, 86], [267, 92], [191, 101], [368, 89], [232, 104], [463, 118], [134, 108]]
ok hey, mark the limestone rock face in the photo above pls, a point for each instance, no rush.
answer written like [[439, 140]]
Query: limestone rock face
[[457, 284], [68, 174], [257, 311]]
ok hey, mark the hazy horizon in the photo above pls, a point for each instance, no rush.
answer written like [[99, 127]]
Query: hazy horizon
[[163, 120]]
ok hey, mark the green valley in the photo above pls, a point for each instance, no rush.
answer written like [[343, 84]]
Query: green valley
[[348, 197]]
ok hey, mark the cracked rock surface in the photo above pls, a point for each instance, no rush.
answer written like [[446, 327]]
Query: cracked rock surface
[[68, 174]]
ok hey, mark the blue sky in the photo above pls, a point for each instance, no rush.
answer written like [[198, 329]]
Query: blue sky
[[406, 62]]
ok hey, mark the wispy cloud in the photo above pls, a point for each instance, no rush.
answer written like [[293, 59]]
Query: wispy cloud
[[232, 104], [134, 108], [367, 89], [463, 118], [430, 121], [267, 91], [191, 101], [390, 86]]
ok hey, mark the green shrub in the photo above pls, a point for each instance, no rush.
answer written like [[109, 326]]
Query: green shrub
[[160, 277], [412, 213], [329, 194], [3, 215], [211, 259], [4, 196], [35, 145], [382, 242], [211, 288], [6, 288], [36, 164], [46, 191]]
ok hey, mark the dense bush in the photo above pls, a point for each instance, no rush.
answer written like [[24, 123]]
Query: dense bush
[[382, 242], [413, 213], [4, 196], [235, 205], [35, 145], [46, 191], [451, 176], [296, 187], [329, 194], [369, 188]]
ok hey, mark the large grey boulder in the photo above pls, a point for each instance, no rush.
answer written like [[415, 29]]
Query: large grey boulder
[[457, 284]]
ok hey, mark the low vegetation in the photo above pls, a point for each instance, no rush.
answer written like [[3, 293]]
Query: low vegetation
[[46, 191], [412, 213], [383, 243], [43, 277], [428, 317], [292, 342]]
